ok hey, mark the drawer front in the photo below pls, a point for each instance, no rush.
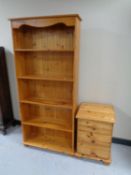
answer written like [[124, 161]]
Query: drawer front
[[95, 127], [94, 138], [93, 150]]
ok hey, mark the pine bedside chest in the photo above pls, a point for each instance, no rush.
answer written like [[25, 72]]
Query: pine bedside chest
[[94, 131]]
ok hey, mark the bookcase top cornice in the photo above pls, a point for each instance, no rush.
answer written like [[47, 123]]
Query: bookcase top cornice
[[45, 17]]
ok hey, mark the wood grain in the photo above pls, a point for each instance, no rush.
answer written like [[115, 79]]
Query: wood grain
[[46, 59], [97, 112], [94, 131]]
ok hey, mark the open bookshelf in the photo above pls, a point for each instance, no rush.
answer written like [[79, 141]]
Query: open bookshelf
[[47, 57]]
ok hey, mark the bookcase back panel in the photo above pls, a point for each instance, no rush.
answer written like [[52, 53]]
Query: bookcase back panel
[[46, 90], [47, 136], [47, 114], [58, 37], [59, 65]]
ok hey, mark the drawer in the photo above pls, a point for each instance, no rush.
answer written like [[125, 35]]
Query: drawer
[[93, 150], [95, 127], [94, 138]]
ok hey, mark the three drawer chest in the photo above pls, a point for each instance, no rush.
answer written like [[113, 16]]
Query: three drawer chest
[[94, 131]]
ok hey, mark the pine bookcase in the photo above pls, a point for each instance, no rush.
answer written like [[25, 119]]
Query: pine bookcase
[[46, 51]]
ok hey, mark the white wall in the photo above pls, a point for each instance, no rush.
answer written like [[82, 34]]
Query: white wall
[[105, 62]]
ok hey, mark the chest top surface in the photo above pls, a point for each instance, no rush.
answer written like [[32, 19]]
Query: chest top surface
[[96, 112]]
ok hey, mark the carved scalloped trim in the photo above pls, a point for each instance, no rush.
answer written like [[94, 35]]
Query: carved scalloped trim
[[41, 24], [48, 26]]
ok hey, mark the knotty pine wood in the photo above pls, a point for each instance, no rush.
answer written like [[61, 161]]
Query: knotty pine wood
[[46, 53], [58, 118], [94, 131], [47, 138], [47, 17], [97, 112], [45, 21], [57, 66], [56, 92], [56, 38]]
